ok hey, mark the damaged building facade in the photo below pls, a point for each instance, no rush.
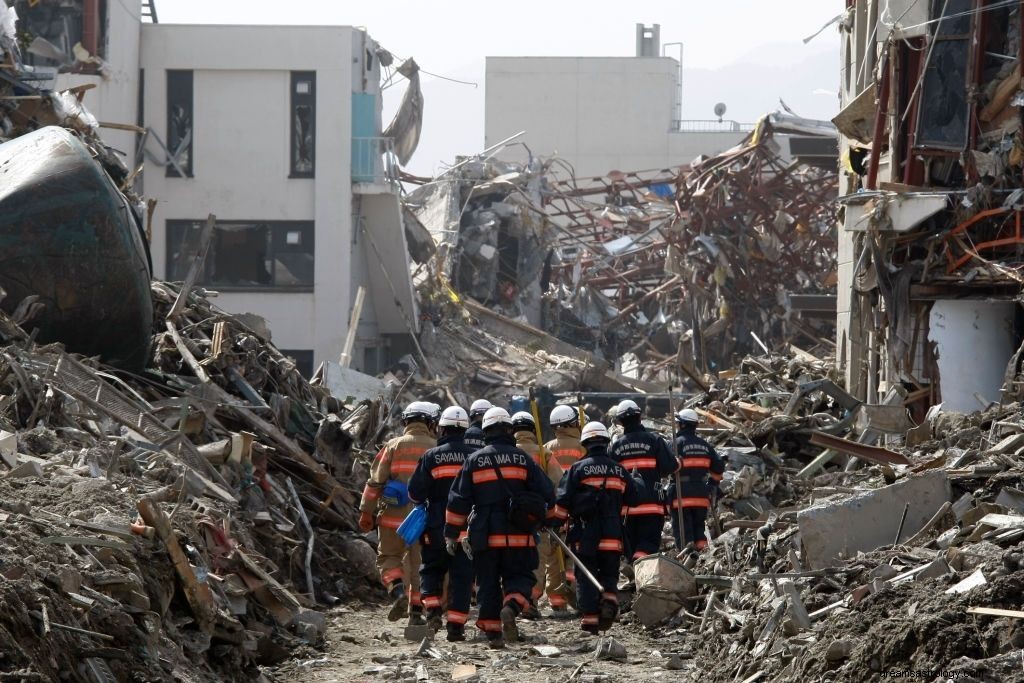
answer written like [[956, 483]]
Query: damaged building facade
[[930, 240], [285, 146]]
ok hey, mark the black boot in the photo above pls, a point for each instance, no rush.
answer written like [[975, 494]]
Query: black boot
[[609, 610], [399, 602], [456, 633], [509, 629], [416, 616], [434, 619]]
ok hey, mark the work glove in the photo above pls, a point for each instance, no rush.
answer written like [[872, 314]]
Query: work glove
[[467, 548], [451, 546], [366, 521]]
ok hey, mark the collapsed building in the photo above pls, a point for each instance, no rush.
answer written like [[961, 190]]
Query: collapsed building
[[930, 239], [718, 258]]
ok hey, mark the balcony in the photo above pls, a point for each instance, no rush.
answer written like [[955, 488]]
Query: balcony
[[710, 126], [374, 166]]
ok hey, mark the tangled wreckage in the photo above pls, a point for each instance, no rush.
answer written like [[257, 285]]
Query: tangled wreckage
[[177, 500], [719, 257]]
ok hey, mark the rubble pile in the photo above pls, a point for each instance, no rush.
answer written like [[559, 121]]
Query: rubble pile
[[179, 523], [849, 542], [632, 265]]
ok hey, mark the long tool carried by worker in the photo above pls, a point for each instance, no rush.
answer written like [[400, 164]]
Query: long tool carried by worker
[[586, 572], [678, 480]]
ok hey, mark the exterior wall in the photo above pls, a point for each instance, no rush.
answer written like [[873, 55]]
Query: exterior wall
[[241, 143], [598, 113], [858, 51], [116, 95]]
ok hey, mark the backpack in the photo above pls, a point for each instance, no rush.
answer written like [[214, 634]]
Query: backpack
[[527, 510]]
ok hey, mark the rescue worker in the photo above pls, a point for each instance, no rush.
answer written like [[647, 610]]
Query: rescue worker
[[700, 473], [565, 448], [549, 568], [642, 452], [508, 496], [591, 496], [474, 436], [385, 504], [430, 485]]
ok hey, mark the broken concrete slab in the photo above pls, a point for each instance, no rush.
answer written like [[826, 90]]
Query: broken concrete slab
[[9, 449], [1011, 498], [26, 470], [869, 520]]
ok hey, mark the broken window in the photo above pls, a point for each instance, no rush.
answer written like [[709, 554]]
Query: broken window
[[303, 360], [66, 35], [245, 254], [943, 118], [303, 122], [180, 130]]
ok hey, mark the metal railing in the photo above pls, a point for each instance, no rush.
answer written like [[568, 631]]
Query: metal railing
[[374, 161], [711, 126]]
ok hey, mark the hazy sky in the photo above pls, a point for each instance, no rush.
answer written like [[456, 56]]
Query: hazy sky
[[746, 53]]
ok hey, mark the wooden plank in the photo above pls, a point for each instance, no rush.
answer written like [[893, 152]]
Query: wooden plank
[[86, 541], [996, 612], [1004, 93], [198, 593], [205, 237], [873, 454]]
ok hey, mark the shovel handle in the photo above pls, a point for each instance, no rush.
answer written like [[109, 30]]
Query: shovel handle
[[586, 572]]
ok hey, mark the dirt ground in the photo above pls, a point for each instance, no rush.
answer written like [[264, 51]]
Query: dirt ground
[[361, 645]]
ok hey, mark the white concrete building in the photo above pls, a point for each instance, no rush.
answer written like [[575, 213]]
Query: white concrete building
[[598, 113], [277, 131]]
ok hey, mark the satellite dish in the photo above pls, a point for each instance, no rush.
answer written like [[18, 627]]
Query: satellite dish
[[720, 111]]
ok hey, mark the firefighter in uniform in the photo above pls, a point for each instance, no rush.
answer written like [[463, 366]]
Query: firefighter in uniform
[[565, 450], [493, 481], [474, 436], [591, 496], [430, 484], [642, 452], [700, 473], [548, 568], [385, 503]]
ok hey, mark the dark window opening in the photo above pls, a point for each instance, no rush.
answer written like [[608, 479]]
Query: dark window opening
[[303, 123], [943, 116], [303, 360], [180, 131], [245, 254], [62, 35], [508, 267]]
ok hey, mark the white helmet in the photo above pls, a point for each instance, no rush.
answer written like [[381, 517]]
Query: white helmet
[[523, 419], [562, 416], [496, 416], [594, 430], [420, 411], [626, 409], [454, 416], [687, 415], [479, 407]]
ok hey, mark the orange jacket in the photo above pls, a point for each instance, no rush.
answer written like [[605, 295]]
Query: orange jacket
[[565, 448], [527, 442], [396, 460]]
